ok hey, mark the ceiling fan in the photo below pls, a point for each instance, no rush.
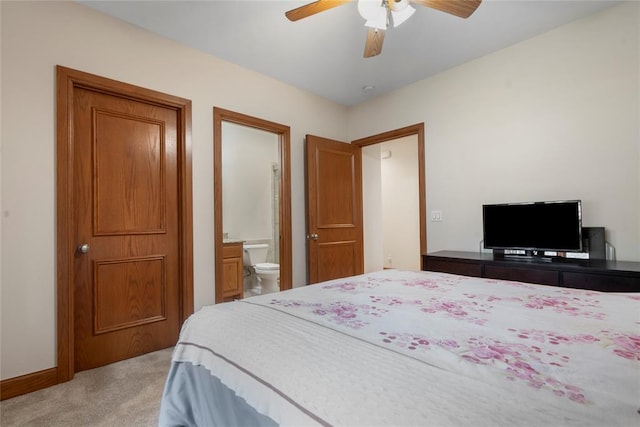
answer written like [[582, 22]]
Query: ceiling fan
[[378, 14]]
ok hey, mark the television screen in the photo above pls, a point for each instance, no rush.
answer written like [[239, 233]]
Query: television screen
[[550, 226]]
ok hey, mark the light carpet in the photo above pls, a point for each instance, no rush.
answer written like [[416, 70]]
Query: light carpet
[[122, 394]]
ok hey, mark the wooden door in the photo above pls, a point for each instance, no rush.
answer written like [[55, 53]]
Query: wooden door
[[126, 198], [334, 209]]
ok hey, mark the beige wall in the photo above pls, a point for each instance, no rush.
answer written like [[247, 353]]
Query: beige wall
[[36, 36], [554, 117], [372, 219]]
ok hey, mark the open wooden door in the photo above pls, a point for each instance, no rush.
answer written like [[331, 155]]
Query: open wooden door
[[334, 209]]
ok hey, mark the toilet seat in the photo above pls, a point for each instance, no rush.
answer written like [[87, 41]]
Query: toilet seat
[[267, 266]]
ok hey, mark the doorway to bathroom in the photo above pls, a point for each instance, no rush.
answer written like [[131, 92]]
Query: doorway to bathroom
[[252, 206]]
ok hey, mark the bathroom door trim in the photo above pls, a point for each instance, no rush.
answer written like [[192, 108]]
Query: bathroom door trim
[[284, 141]]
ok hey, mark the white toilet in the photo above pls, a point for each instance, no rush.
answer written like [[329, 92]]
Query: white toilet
[[267, 273]]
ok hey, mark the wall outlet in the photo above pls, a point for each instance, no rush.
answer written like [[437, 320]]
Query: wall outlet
[[436, 216]]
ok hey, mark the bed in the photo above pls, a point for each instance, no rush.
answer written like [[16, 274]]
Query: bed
[[404, 348]]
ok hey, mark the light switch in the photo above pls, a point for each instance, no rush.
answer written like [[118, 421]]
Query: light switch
[[436, 215]]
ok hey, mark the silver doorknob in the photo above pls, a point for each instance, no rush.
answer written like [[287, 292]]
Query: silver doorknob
[[313, 236], [83, 248]]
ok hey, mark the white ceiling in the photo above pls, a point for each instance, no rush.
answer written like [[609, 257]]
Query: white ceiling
[[323, 53]]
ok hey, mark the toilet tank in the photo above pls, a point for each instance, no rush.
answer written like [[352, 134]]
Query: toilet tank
[[257, 252]]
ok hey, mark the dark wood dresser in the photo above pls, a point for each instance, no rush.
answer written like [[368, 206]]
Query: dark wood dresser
[[597, 275]]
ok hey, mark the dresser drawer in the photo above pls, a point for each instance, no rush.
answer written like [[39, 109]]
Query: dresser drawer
[[597, 274], [543, 277], [595, 281], [454, 267]]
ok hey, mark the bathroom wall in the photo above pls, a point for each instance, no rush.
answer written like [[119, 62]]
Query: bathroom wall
[[248, 156]]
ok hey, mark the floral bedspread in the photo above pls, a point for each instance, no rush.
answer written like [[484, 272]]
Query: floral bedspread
[[572, 353]]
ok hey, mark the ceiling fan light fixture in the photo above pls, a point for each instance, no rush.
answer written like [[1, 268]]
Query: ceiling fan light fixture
[[380, 23], [398, 5], [378, 13], [371, 10], [400, 16]]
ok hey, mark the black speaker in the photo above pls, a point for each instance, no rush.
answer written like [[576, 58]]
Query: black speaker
[[593, 242]]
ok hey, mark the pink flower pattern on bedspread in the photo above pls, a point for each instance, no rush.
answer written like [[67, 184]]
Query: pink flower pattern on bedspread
[[338, 312], [516, 360], [572, 306], [554, 340], [625, 345]]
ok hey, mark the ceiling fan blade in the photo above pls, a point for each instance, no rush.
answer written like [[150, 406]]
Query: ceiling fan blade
[[373, 45], [313, 8], [461, 8]]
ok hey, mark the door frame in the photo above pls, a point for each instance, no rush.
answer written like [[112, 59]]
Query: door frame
[[418, 130], [68, 80], [284, 148]]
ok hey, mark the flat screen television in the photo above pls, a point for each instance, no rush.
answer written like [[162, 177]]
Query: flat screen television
[[533, 226]]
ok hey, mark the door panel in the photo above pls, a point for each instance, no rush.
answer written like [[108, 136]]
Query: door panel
[[129, 292], [335, 188], [337, 259], [129, 198], [126, 287], [334, 209]]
